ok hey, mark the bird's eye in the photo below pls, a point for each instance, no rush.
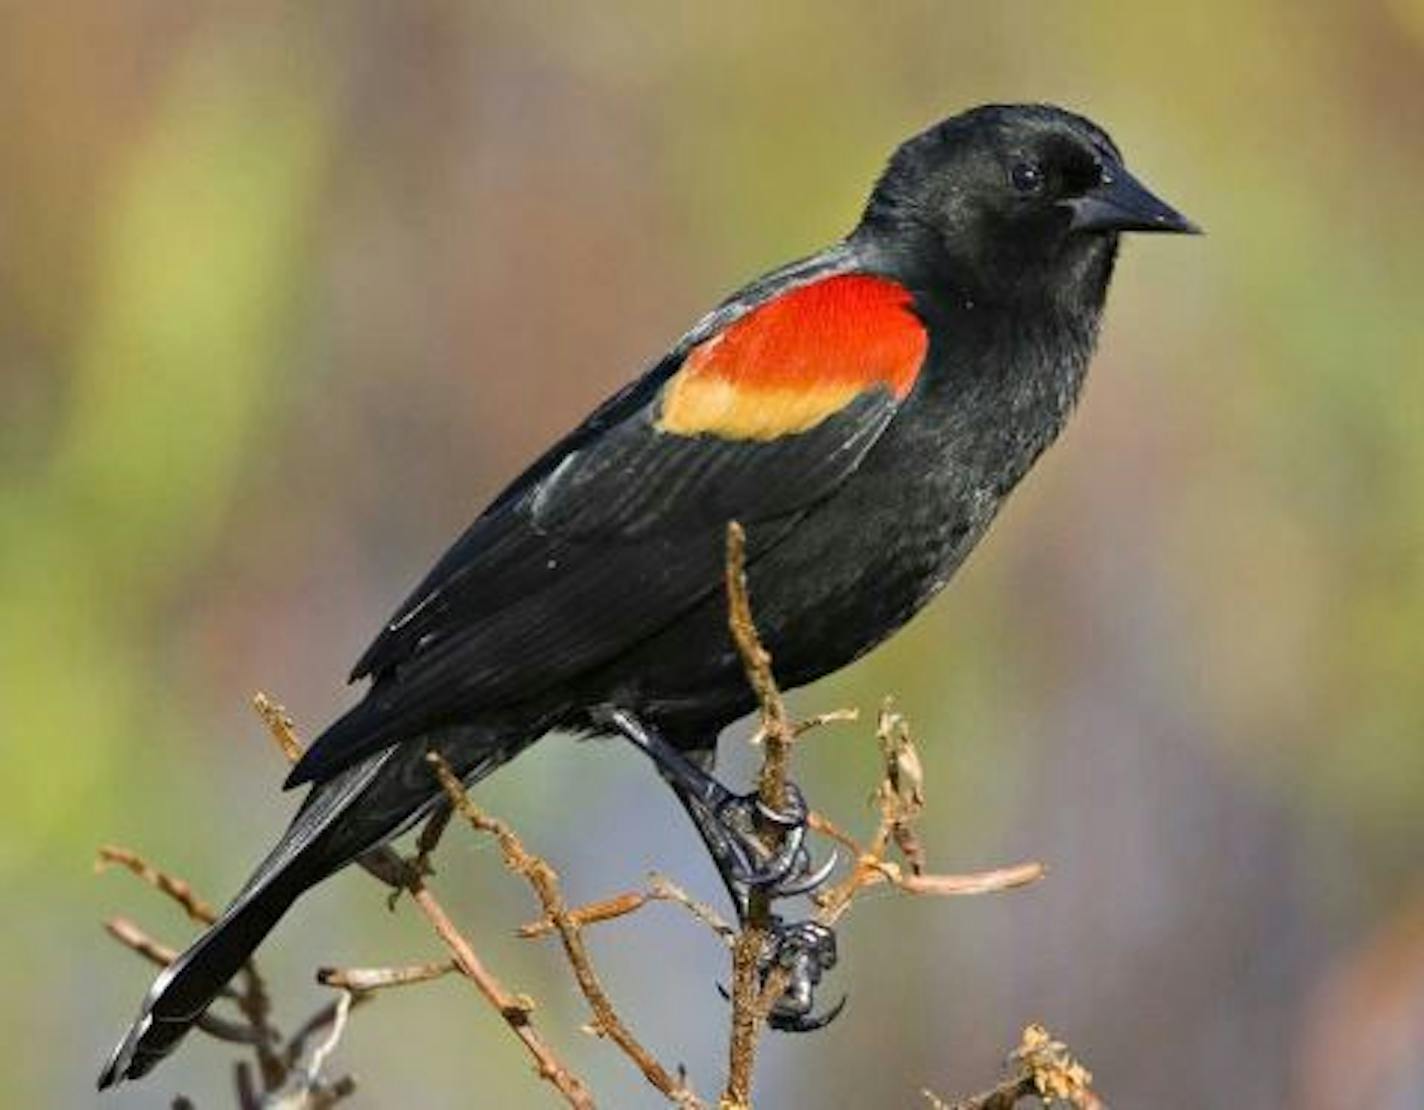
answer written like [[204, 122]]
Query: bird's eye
[[1026, 177]]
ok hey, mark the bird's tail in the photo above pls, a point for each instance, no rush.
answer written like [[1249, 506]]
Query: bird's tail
[[357, 809]]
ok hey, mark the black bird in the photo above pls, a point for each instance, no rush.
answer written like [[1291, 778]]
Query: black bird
[[862, 412]]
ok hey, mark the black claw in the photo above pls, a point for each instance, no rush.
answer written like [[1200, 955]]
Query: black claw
[[806, 1023], [784, 863], [789, 873], [808, 950], [747, 867], [807, 879], [786, 873], [804, 941], [730, 823], [793, 816]]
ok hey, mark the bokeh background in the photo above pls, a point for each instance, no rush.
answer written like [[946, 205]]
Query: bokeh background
[[287, 291]]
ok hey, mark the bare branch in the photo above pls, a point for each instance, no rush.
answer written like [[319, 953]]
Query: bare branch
[[175, 888], [279, 726], [388, 867], [1043, 1068], [660, 889], [778, 735], [664, 889], [900, 799], [362, 979], [323, 1018], [605, 909], [545, 882], [516, 1010], [131, 936], [903, 788], [830, 717], [312, 1075]]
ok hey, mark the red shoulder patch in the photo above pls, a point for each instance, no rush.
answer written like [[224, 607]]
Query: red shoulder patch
[[790, 363]]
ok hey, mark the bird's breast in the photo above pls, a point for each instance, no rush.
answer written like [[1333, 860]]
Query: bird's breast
[[865, 561], [858, 565]]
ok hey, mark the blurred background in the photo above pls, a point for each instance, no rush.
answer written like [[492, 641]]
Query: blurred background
[[287, 291]]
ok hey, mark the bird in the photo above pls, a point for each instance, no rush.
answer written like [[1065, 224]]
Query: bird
[[862, 413]]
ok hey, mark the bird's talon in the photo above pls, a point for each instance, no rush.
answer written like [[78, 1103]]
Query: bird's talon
[[806, 1023], [780, 873], [794, 813], [807, 949], [811, 881]]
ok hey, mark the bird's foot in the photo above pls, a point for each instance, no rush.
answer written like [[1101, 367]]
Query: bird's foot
[[807, 949], [755, 845], [747, 862]]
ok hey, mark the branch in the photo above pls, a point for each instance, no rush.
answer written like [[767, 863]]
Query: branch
[[516, 1010], [660, 889], [363, 979], [178, 890], [545, 882], [778, 734], [1042, 1068], [900, 799]]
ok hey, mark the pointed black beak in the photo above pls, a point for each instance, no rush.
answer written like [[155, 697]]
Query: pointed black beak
[[1122, 203]]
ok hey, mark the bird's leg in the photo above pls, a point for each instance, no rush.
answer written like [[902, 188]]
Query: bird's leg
[[728, 821], [805, 948], [727, 824]]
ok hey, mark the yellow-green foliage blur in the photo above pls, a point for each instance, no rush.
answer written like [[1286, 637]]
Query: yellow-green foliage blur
[[288, 290]]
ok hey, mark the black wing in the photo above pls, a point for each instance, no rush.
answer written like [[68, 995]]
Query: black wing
[[609, 537]]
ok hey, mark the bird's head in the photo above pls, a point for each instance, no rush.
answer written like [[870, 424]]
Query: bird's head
[[1008, 199]]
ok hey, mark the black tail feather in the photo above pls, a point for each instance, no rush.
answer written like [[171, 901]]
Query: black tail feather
[[315, 844], [350, 813], [184, 990]]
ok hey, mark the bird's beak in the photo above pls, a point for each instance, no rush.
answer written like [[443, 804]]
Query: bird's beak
[[1122, 203]]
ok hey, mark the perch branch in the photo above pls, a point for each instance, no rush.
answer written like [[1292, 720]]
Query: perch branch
[[900, 800], [778, 734]]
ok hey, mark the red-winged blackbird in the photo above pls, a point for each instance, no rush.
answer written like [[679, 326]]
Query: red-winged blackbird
[[862, 412]]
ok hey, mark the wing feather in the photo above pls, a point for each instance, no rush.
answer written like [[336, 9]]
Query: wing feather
[[619, 530]]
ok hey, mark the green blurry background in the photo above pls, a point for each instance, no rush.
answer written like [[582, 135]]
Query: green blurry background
[[287, 291]]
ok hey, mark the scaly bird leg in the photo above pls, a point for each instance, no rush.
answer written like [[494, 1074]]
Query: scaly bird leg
[[727, 823]]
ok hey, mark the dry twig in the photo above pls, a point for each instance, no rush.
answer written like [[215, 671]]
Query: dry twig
[[178, 890], [387, 866], [660, 889], [276, 1060], [1041, 1067], [360, 980], [778, 734], [545, 882]]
